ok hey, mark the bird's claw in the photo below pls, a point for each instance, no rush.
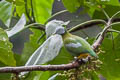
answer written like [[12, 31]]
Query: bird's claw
[[85, 60]]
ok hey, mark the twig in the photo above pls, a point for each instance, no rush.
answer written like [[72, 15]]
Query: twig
[[92, 23], [86, 24], [101, 36], [27, 11], [40, 67], [56, 14], [33, 16]]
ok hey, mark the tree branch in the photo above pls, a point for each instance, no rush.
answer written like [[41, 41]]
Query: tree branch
[[74, 64], [101, 36]]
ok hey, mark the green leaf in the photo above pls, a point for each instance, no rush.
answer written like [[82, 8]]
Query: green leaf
[[42, 10], [5, 76], [7, 57], [20, 9], [6, 44], [3, 35], [111, 2], [5, 11], [4, 41], [110, 10], [72, 5], [38, 75], [111, 59], [64, 57]]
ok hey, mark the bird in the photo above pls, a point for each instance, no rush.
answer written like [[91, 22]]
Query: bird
[[75, 45]]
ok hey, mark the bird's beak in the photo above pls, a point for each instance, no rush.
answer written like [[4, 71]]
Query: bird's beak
[[66, 23]]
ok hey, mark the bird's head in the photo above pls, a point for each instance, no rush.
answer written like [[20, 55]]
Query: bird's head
[[60, 30], [62, 27], [55, 27]]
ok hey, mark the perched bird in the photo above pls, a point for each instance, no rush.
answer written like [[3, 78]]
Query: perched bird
[[76, 45]]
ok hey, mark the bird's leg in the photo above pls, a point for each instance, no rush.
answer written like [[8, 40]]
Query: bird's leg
[[83, 57]]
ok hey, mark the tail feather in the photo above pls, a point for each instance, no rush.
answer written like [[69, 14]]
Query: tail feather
[[92, 53]]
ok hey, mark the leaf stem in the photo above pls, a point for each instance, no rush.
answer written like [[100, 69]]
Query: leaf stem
[[56, 14], [32, 11], [77, 27], [115, 14], [27, 11]]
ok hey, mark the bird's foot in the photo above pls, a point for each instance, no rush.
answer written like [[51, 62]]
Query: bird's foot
[[85, 60], [75, 58]]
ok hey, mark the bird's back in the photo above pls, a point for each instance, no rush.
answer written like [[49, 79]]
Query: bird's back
[[77, 45]]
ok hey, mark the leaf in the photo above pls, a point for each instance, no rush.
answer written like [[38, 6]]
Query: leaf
[[7, 57], [47, 51], [111, 59], [38, 75], [5, 76], [5, 11], [42, 10], [18, 27], [6, 44], [64, 57], [110, 10], [53, 77], [6, 54], [2, 25], [71, 5], [3, 35], [111, 2]]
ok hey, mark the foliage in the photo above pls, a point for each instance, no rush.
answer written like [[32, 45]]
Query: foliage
[[38, 12]]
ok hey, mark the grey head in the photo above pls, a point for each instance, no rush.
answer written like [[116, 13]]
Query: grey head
[[55, 27], [60, 30]]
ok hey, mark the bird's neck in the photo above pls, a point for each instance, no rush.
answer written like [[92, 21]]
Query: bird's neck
[[66, 34]]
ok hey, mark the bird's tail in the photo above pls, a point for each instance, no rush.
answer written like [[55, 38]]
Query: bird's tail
[[93, 54]]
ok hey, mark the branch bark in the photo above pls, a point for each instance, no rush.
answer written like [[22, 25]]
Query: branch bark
[[74, 64]]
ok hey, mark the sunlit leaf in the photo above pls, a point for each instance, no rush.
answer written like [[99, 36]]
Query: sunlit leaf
[[7, 57], [5, 11], [42, 10], [71, 5]]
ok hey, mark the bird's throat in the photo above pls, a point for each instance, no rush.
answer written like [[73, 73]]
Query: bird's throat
[[66, 35]]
